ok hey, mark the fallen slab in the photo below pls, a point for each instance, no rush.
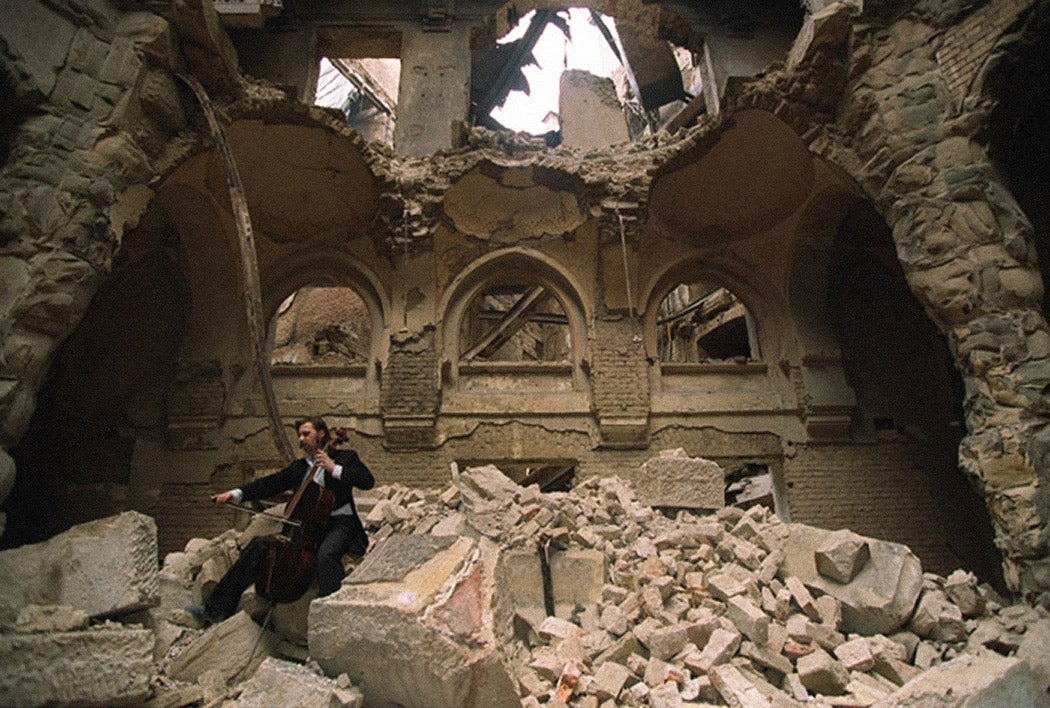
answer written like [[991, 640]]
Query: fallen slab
[[881, 596], [416, 625], [106, 567], [108, 665], [277, 683], [234, 648], [972, 681]]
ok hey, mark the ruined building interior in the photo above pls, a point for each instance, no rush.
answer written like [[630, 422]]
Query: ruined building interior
[[805, 241]]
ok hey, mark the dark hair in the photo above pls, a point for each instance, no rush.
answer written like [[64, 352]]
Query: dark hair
[[319, 425]]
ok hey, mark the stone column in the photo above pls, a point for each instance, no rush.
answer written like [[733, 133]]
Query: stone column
[[435, 89]]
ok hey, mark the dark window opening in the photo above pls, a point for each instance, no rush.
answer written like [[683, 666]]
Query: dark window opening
[[701, 322]]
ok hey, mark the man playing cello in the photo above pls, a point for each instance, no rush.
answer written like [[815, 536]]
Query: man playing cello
[[336, 470]]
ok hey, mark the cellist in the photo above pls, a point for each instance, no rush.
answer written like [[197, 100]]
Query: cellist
[[338, 470]]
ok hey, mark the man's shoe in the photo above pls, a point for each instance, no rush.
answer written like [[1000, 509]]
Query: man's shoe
[[204, 615]]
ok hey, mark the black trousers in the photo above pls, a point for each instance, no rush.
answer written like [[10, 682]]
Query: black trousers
[[337, 541]]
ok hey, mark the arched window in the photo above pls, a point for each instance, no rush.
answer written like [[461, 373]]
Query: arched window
[[322, 326], [703, 321], [514, 322]]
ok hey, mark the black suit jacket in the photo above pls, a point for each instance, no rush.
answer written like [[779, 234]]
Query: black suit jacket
[[355, 474]]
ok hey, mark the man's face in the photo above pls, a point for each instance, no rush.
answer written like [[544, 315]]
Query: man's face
[[309, 438]]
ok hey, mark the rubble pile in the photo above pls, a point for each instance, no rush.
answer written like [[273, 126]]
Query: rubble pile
[[490, 593], [734, 607]]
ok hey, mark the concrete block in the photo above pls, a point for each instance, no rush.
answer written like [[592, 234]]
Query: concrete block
[[103, 666], [674, 479], [425, 632], [105, 567]]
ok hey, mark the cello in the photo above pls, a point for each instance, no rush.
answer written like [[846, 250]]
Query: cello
[[291, 559]]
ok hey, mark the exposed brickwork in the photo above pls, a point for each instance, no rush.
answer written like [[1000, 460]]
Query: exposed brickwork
[[968, 45], [876, 491], [619, 372], [410, 382]]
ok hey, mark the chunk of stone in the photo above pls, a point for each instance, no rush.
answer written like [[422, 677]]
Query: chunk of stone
[[803, 598], [878, 600], [986, 680], [609, 680], [49, 618], [665, 642], [749, 619], [486, 484], [115, 568], [822, 673], [278, 682], [720, 648], [735, 688], [855, 655], [415, 624], [101, 666], [841, 556], [961, 589], [1035, 651], [234, 648], [937, 618], [674, 479]]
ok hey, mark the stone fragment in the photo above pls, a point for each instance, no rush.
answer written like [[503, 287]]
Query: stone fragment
[[937, 618], [1035, 651], [277, 682], [107, 665], [658, 671], [49, 618], [609, 680], [841, 556], [802, 597], [676, 480], [794, 688], [830, 611], [878, 600], [961, 589], [766, 658], [736, 690], [667, 641], [749, 619], [855, 655], [485, 484], [666, 695], [234, 648], [822, 673], [720, 648], [986, 680], [115, 570], [415, 624]]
